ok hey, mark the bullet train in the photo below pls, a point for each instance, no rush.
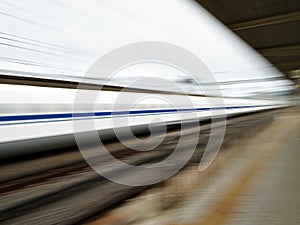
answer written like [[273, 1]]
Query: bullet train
[[34, 119]]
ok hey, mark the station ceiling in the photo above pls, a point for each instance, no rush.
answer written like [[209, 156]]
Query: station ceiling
[[272, 27]]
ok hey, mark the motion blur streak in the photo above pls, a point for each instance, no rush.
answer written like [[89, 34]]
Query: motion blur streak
[[147, 125]]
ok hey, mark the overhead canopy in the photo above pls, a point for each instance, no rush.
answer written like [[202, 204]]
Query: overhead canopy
[[272, 27]]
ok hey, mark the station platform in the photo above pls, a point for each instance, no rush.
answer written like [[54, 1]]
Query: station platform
[[272, 196], [253, 181]]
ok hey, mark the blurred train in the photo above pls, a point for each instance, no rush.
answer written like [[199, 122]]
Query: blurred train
[[34, 119]]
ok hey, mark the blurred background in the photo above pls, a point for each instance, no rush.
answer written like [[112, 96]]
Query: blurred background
[[236, 123]]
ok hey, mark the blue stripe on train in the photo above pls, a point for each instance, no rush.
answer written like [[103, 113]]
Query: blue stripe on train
[[117, 113]]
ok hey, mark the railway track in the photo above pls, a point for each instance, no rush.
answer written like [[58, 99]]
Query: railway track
[[60, 188]]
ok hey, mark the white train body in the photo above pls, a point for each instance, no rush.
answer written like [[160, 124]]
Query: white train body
[[38, 118]]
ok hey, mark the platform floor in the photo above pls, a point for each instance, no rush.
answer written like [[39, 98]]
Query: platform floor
[[274, 194], [255, 181]]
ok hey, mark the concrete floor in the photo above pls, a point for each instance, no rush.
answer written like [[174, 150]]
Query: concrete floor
[[255, 181], [274, 195]]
